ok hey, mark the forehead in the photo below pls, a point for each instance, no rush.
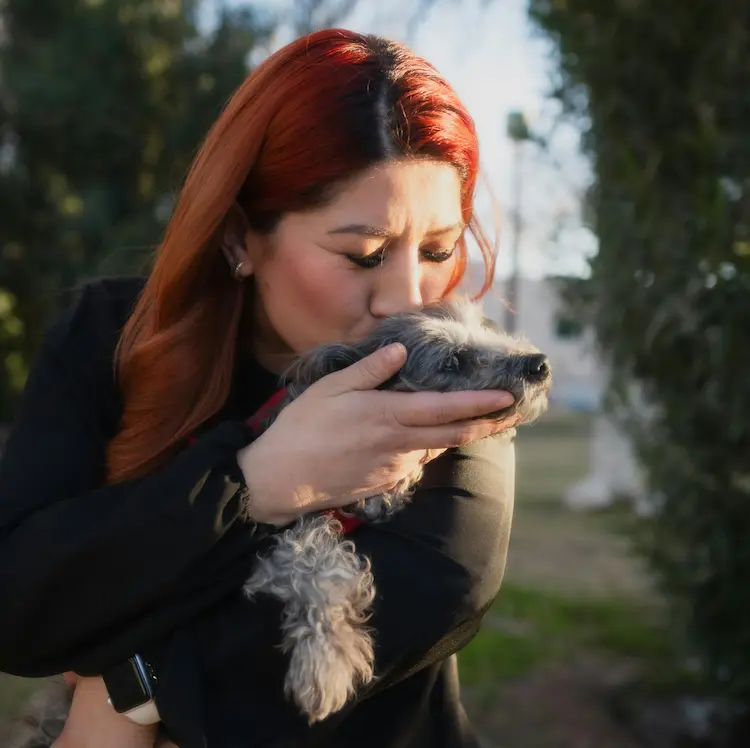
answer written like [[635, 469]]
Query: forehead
[[405, 195]]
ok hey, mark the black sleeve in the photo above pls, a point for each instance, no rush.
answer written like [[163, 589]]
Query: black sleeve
[[437, 566], [443, 559], [83, 565]]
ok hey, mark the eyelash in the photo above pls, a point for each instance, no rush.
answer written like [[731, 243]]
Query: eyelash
[[375, 259]]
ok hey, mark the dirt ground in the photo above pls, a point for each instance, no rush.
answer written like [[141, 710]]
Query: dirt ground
[[561, 705]]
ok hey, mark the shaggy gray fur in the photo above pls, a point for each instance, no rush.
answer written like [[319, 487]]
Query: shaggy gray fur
[[326, 587]]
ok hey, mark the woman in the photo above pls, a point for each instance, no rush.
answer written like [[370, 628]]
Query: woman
[[335, 189]]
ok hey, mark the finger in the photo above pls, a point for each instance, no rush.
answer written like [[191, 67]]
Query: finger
[[437, 408], [430, 455], [453, 435], [70, 678], [367, 373]]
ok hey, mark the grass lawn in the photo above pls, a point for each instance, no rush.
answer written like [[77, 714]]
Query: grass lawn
[[13, 692]]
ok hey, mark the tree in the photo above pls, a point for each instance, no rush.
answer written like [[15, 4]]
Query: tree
[[102, 104], [662, 90]]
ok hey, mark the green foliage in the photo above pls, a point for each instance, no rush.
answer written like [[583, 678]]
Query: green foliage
[[662, 91], [102, 104]]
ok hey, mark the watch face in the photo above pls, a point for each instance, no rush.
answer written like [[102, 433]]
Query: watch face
[[128, 686]]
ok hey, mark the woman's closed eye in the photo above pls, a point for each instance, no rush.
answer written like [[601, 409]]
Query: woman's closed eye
[[367, 261], [374, 259]]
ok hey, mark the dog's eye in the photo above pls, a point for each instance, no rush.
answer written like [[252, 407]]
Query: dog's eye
[[454, 362]]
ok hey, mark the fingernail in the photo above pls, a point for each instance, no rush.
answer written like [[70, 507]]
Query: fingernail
[[394, 351]]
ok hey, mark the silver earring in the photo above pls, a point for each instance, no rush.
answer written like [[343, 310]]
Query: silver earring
[[237, 270]]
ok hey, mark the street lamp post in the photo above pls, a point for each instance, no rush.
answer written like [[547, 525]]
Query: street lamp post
[[518, 132]]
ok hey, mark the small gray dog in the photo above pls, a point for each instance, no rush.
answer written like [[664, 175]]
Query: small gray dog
[[326, 587]]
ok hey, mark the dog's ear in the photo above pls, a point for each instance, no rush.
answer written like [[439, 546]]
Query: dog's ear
[[323, 360]]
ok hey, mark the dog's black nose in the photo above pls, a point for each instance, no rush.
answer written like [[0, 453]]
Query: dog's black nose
[[535, 367]]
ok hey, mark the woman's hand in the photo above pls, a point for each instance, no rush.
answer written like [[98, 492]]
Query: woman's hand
[[93, 723], [343, 439]]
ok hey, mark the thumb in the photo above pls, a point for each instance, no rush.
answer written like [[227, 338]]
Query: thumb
[[369, 372]]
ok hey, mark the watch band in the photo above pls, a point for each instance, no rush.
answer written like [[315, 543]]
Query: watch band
[[131, 686], [146, 714]]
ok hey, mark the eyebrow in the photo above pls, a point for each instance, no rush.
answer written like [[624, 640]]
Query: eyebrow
[[364, 230]]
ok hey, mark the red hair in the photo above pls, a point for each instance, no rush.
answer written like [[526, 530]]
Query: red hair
[[312, 115]]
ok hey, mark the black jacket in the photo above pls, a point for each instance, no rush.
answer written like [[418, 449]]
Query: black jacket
[[92, 573]]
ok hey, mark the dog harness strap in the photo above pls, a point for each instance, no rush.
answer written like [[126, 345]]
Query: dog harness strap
[[255, 423], [347, 523]]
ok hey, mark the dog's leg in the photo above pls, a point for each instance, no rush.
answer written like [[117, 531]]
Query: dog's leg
[[327, 590], [381, 508]]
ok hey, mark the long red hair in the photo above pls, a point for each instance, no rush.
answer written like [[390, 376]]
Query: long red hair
[[311, 115]]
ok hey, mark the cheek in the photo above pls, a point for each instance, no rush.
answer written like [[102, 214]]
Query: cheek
[[312, 300], [319, 288], [435, 281]]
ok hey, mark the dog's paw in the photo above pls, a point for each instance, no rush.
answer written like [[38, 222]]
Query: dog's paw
[[381, 508], [326, 667]]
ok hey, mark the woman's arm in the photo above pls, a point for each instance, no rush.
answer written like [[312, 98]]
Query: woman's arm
[[437, 566], [443, 559], [82, 566], [91, 721]]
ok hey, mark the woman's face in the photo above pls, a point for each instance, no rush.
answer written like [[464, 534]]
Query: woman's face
[[385, 244]]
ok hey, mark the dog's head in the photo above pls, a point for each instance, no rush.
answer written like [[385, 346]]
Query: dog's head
[[451, 346]]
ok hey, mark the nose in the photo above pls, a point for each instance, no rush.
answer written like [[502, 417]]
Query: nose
[[535, 367], [399, 287]]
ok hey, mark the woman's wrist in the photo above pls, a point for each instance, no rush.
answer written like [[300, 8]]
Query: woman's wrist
[[93, 723], [263, 499]]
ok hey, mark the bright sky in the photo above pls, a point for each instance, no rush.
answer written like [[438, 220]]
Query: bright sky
[[497, 63]]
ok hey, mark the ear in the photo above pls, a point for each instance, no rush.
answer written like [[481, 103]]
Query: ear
[[323, 360], [234, 241]]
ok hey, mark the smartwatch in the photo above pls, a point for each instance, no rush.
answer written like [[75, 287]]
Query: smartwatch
[[131, 686]]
